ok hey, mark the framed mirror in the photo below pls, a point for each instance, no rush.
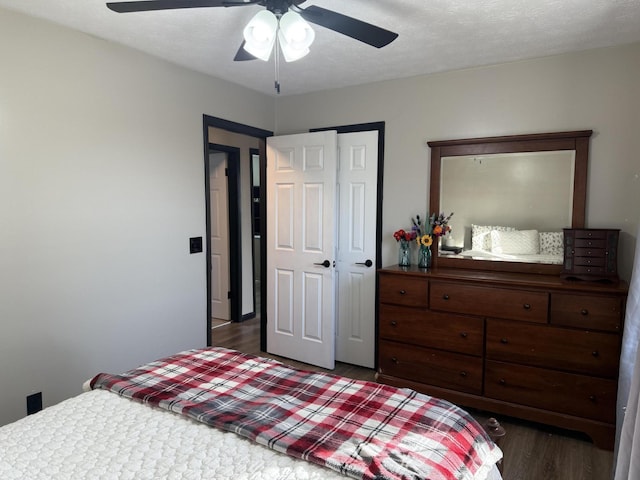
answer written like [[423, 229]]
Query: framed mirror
[[511, 197]]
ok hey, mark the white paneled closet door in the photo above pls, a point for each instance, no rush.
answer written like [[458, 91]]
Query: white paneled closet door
[[321, 247], [356, 252], [301, 190]]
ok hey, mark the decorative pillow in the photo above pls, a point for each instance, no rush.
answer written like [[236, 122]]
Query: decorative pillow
[[481, 236], [519, 242], [551, 243]]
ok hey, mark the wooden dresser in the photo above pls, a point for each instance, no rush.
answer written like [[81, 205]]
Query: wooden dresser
[[524, 345]]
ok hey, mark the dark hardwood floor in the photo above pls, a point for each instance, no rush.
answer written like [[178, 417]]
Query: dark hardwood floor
[[532, 451]]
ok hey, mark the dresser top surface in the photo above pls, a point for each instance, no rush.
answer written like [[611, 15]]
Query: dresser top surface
[[511, 279]]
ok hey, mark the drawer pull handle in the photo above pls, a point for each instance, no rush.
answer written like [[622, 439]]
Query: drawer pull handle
[[402, 292], [463, 373], [502, 381], [504, 341], [394, 360], [595, 353], [463, 334], [584, 311], [445, 297], [527, 306], [592, 398], [393, 323]]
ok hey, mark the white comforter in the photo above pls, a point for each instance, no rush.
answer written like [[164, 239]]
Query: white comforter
[[99, 435]]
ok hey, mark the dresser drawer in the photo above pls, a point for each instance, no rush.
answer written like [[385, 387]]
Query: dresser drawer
[[584, 259], [433, 367], [445, 331], [587, 270], [403, 290], [569, 393], [588, 243], [490, 302], [587, 311], [566, 349]]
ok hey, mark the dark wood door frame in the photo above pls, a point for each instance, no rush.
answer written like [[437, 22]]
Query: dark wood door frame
[[235, 265]]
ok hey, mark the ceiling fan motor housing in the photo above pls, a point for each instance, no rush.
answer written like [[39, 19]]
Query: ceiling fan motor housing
[[280, 7]]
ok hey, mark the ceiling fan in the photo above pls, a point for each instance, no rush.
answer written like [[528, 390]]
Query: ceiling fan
[[365, 32]]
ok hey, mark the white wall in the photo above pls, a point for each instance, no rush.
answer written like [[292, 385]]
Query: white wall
[[101, 186], [595, 90]]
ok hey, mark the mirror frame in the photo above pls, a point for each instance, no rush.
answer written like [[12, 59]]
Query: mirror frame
[[537, 142]]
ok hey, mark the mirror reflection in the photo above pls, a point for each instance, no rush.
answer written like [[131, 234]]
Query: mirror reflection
[[510, 206]]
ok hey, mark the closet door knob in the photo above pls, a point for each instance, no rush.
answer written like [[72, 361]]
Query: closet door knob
[[366, 263], [325, 264]]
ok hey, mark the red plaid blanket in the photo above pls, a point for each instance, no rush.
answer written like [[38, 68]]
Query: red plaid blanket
[[361, 429]]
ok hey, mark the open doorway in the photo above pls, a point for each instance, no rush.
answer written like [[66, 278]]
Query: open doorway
[[246, 296]]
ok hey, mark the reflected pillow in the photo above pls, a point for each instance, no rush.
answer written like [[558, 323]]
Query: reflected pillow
[[551, 243], [481, 236], [519, 242]]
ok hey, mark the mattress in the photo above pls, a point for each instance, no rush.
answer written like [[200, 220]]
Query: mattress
[[100, 435]]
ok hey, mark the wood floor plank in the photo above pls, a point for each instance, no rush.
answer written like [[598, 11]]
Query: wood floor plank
[[532, 451]]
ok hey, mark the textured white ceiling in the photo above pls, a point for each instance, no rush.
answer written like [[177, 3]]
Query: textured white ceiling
[[434, 36]]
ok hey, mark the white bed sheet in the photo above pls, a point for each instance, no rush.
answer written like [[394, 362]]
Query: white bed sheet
[[100, 435]]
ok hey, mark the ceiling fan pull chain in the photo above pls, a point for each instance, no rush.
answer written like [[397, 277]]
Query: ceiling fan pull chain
[[277, 67]]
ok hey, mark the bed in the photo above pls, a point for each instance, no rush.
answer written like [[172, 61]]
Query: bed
[[216, 413]]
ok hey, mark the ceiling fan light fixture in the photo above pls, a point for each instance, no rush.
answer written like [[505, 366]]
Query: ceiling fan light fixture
[[295, 36], [260, 34]]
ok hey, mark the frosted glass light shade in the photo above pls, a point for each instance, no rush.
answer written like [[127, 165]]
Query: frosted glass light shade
[[260, 34], [295, 36]]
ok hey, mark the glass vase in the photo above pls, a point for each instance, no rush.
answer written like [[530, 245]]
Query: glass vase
[[424, 257], [404, 254]]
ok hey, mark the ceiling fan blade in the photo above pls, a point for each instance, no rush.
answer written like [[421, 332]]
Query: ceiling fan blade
[[242, 55], [352, 27], [148, 5]]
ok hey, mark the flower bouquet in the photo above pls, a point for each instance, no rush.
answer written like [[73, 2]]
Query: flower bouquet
[[403, 238], [438, 226]]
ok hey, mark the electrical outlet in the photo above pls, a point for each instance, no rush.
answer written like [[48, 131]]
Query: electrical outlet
[[195, 245], [34, 403]]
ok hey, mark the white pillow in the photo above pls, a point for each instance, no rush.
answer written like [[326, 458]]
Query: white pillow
[[519, 242], [551, 243], [481, 236]]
